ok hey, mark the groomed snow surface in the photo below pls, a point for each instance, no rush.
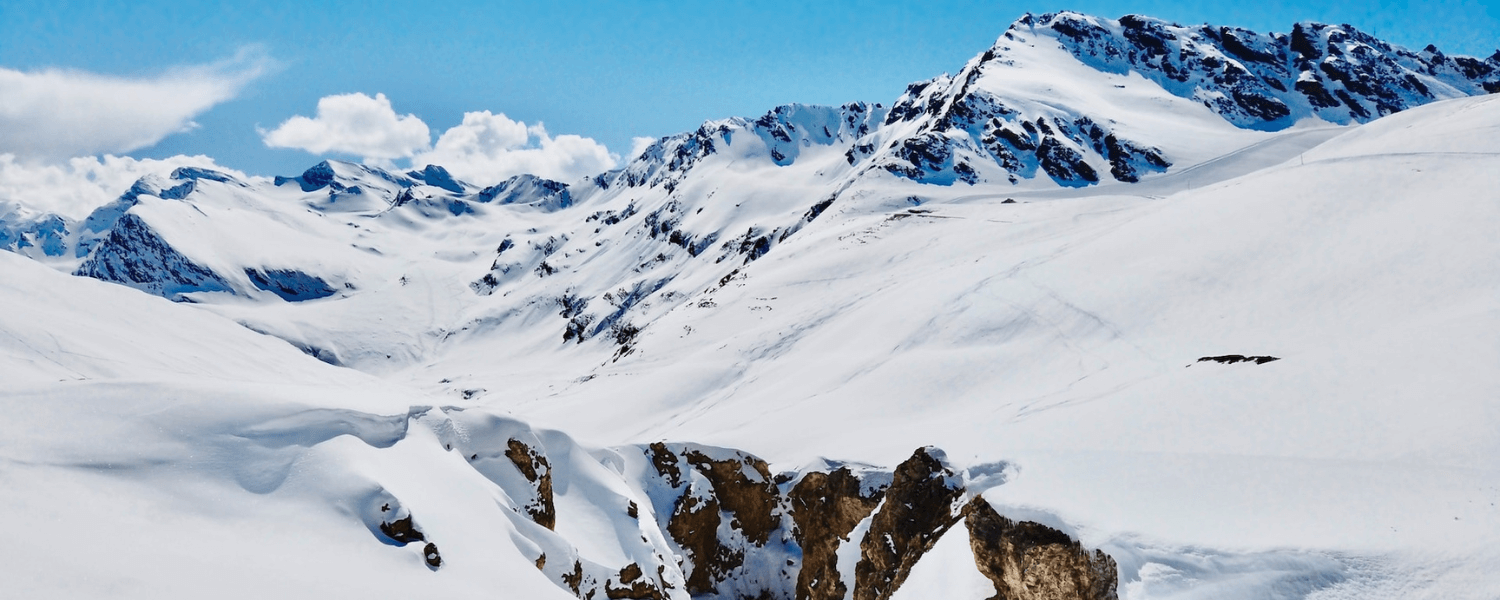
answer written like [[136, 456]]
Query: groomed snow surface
[[154, 449]]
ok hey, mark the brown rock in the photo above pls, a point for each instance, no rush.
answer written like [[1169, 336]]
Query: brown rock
[[574, 580], [695, 526], [430, 554], [403, 531], [826, 507], [1030, 561], [918, 509], [633, 585], [533, 465], [754, 502]]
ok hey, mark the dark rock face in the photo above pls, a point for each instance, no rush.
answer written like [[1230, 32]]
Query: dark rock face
[[534, 467], [826, 508], [918, 509], [965, 127], [1229, 359], [1030, 561], [133, 254], [431, 557], [1265, 81], [290, 284], [403, 531]]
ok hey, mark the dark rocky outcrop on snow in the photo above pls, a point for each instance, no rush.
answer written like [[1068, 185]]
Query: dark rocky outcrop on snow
[[744, 534], [826, 508], [1030, 561], [534, 467], [919, 508], [290, 284], [135, 255], [1229, 359]]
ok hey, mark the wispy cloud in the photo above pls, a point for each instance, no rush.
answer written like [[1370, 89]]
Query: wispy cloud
[[55, 114], [484, 149]]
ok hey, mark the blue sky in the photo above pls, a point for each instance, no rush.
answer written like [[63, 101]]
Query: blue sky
[[607, 71]]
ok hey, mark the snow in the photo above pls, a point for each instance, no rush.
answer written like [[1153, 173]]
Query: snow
[[947, 571], [1046, 338]]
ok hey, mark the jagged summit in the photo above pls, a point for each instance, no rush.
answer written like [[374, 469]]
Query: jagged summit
[[1269, 80], [1060, 97]]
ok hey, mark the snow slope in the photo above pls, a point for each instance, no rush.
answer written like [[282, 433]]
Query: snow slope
[[814, 286]]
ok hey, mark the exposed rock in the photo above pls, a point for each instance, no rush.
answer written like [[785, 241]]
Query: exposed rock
[[533, 465], [1030, 561], [135, 255], [633, 585], [918, 508], [826, 507], [1229, 359], [404, 531], [751, 498], [290, 284], [695, 527], [431, 556]]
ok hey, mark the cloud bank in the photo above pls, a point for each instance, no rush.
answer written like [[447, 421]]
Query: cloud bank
[[353, 124], [74, 187], [489, 148], [55, 114], [486, 148]]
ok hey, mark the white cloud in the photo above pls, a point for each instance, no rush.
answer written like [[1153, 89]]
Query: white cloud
[[488, 148], [54, 114], [79, 185], [353, 124], [485, 149], [639, 145]]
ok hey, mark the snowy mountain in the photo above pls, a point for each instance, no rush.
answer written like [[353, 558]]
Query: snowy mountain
[[1121, 309]]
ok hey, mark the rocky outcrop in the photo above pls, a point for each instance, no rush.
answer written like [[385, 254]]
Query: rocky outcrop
[[1030, 561], [921, 504], [729, 518], [826, 507], [534, 467], [393, 524], [135, 255], [733, 522]]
